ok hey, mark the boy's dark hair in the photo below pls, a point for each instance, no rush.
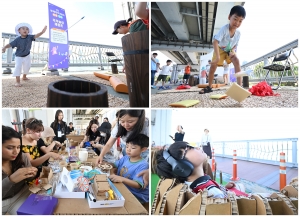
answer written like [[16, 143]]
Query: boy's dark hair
[[238, 10], [70, 123], [154, 54], [169, 61], [141, 140]]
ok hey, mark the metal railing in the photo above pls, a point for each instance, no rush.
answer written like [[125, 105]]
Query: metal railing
[[257, 65], [262, 151], [81, 53]]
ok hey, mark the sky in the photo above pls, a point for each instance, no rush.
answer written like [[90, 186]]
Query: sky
[[237, 124], [96, 27], [267, 26]]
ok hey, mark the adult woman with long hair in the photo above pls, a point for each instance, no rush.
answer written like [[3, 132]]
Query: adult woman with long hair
[[32, 129], [92, 135], [16, 169], [60, 127], [130, 123]]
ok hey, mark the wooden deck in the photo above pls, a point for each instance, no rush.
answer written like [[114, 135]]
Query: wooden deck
[[262, 174]]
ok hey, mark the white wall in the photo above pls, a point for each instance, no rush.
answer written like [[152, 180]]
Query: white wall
[[163, 128]]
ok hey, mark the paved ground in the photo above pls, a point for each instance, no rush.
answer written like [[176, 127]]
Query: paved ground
[[255, 175], [36, 72]]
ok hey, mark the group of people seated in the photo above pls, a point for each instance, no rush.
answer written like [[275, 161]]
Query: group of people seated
[[24, 155]]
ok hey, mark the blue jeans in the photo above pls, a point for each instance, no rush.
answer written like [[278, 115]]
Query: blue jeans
[[152, 76]]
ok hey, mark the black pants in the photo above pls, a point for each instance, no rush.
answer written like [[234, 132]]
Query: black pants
[[207, 149]]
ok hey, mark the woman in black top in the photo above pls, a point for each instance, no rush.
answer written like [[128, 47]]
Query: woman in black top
[[92, 135], [70, 128], [179, 135], [60, 127]]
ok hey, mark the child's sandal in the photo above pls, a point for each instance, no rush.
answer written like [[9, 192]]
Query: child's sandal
[[206, 90]]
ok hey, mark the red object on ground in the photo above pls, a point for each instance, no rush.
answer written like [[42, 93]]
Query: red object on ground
[[262, 89], [282, 171], [234, 173], [182, 87]]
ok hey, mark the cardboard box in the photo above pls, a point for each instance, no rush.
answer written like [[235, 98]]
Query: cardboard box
[[108, 203], [62, 192], [281, 205], [101, 178], [81, 207], [46, 175]]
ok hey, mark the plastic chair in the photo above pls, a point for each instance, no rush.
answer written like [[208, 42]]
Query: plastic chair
[[110, 58], [281, 63]]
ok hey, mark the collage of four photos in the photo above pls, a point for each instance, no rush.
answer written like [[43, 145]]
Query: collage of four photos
[[150, 108]]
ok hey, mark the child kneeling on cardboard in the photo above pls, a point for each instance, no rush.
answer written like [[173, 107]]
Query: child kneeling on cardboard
[[131, 165]]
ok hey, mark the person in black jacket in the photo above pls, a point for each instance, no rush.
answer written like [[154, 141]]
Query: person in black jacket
[[60, 127], [179, 134]]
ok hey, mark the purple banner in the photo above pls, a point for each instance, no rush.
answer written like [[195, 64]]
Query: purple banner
[[58, 56]]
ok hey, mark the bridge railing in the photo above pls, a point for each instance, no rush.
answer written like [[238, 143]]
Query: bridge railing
[[262, 151], [257, 65], [81, 53]]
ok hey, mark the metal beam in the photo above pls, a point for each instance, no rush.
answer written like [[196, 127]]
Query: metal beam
[[157, 22], [171, 12]]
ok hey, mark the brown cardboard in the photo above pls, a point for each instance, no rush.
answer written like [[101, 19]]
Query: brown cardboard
[[80, 206], [237, 93], [163, 188], [192, 204], [77, 138], [279, 206], [103, 187], [100, 178], [46, 175], [246, 206], [219, 209], [290, 191], [171, 199], [260, 206]]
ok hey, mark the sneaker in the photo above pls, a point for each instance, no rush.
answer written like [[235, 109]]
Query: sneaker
[[161, 88], [153, 87], [168, 87]]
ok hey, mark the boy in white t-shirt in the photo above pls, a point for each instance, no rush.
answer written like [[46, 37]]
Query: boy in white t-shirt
[[163, 74], [225, 43]]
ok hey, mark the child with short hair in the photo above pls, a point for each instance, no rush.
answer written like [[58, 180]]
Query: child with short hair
[[23, 44], [163, 74], [187, 72], [131, 165], [203, 76], [225, 44]]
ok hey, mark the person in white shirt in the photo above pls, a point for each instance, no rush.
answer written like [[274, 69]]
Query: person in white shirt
[[205, 143], [165, 71]]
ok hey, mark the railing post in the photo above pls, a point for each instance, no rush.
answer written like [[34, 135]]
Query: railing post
[[8, 58], [223, 149], [294, 153], [100, 58], [247, 151]]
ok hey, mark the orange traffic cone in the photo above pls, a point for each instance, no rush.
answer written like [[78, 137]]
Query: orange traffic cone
[[282, 171], [234, 173], [213, 160]]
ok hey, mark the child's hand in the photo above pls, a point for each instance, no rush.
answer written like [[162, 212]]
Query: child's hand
[[116, 178], [3, 50], [230, 185], [44, 30], [231, 54]]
